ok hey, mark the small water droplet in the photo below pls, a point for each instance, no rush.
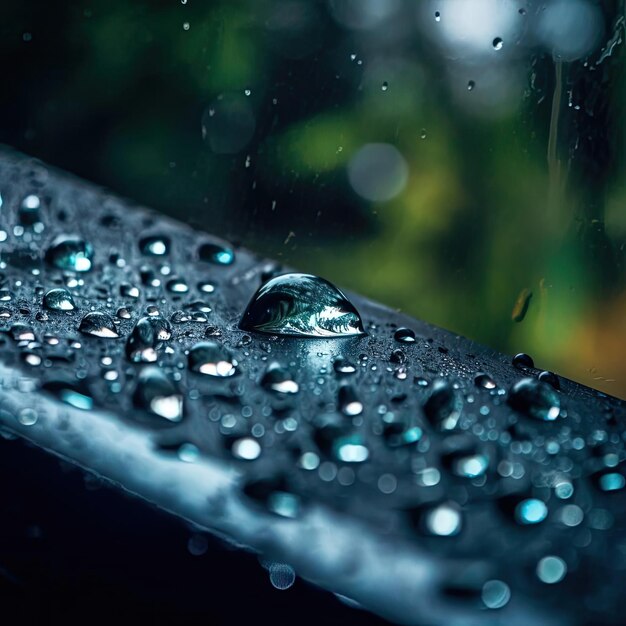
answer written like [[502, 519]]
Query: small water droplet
[[279, 380], [29, 210], [98, 325], [550, 378], [470, 85], [212, 359], [155, 245], [177, 285], [531, 511], [216, 254], [350, 449], [443, 520], [343, 366], [157, 394], [384, 86], [59, 300], [129, 291], [497, 43], [536, 399], [246, 449], [349, 403], [146, 338], [301, 305], [404, 335], [437, 16], [443, 407], [485, 381], [70, 253], [521, 360]]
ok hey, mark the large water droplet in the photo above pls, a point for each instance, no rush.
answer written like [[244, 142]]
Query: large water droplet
[[98, 325], [157, 394], [212, 359], [536, 399], [443, 407], [301, 305], [147, 336], [59, 300], [70, 253]]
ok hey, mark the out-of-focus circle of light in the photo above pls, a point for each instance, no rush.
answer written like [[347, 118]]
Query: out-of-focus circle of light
[[571, 29], [378, 172], [471, 26]]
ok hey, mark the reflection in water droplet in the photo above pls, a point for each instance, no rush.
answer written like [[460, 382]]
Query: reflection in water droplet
[[59, 300], [535, 399], [70, 253], [551, 569], [301, 305], [495, 594], [212, 359], [216, 254], [98, 325], [531, 511], [342, 366]]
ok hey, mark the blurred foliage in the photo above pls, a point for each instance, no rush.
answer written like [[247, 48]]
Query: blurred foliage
[[134, 96]]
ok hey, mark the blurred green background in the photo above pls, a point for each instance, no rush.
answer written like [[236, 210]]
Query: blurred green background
[[446, 158]]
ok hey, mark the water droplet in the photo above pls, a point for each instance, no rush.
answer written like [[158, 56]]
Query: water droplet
[[282, 576], [177, 285], [343, 366], [521, 360], [551, 569], [612, 481], [98, 325], [536, 399], [29, 210], [470, 465], [531, 511], [437, 16], [350, 449], [404, 335], [301, 305], [216, 254], [384, 86], [147, 336], [188, 453], [349, 403], [423, 133], [279, 380], [246, 449], [129, 291], [485, 381], [495, 594], [21, 332], [497, 43], [70, 253], [154, 245], [212, 359], [59, 300], [400, 431], [443, 520], [470, 85], [443, 407], [157, 394], [550, 378], [284, 504], [27, 417]]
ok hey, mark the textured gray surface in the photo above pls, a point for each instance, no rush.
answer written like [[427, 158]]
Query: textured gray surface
[[361, 529]]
